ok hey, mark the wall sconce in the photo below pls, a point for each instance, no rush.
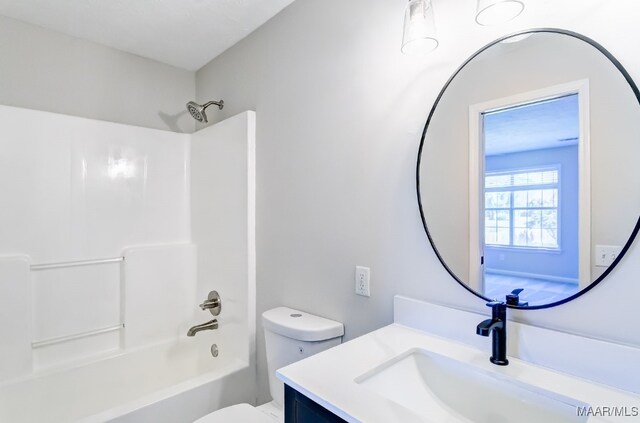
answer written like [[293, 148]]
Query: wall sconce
[[419, 35], [493, 12]]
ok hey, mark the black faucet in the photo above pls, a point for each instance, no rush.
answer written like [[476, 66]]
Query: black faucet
[[498, 325]]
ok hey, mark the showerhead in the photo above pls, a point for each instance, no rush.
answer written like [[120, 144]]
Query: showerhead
[[197, 111]]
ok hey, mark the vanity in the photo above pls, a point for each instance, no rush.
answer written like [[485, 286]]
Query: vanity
[[526, 220], [414, 371]]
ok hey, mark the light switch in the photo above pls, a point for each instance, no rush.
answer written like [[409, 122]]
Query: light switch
[[606, 254]]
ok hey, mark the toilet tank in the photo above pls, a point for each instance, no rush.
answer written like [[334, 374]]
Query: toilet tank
[[291, 335]]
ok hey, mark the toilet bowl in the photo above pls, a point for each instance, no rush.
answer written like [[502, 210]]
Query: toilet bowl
[[290, 336]]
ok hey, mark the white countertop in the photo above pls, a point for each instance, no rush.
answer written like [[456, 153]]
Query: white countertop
[[328, 377]]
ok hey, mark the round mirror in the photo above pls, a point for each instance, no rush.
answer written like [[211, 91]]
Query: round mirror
[[527, 171]]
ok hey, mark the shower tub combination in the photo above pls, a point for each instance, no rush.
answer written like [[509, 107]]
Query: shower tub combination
[[139, 226], [169, 383]]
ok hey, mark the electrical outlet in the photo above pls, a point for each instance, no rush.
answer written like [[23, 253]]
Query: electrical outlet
[[362, 281], [606, 254]]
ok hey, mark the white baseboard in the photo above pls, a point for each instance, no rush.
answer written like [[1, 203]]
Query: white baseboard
[[550, 278]]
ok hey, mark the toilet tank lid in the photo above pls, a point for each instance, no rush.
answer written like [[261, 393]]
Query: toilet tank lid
[[301, 325]]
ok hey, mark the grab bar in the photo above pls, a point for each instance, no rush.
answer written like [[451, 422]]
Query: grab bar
[[77, 263], [51, 341]]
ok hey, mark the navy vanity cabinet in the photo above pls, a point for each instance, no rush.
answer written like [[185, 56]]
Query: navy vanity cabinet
[[300, 409]]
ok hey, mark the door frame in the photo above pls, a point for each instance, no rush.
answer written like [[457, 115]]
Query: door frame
[[476, 169]]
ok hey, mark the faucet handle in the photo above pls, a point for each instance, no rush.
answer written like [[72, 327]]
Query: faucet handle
[[210, 304], [213, 303], [514, 299]]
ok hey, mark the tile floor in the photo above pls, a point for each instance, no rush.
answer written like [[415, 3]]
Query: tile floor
[[536, 291]]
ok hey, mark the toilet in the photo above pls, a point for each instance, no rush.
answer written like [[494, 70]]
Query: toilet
[[290, 335]]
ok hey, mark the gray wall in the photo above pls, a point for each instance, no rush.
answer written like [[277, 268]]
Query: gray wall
[[45, 70], [339, 117]]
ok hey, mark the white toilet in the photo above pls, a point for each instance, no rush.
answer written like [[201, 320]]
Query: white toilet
[[290, 335]]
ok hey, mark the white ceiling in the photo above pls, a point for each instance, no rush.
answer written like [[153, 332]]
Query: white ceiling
[[545, 124], [182, 33]]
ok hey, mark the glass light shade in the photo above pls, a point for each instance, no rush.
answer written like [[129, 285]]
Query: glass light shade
[[493, 12], [419, 35], [516, 38]]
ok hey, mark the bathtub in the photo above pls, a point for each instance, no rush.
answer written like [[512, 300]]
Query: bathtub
[[173, 382]]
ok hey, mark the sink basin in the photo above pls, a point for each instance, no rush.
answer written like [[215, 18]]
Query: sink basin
[[443, 389]]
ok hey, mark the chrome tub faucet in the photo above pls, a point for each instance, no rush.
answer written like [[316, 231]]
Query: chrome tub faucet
[[213, 303], [210, 325]]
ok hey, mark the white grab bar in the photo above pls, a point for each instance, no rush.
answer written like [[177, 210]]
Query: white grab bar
[[51, 341], [45, 266]]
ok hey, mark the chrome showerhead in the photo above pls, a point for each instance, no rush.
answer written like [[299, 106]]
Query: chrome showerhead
[[197, 111]]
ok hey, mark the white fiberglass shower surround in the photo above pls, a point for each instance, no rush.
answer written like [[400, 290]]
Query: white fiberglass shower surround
[[110, 237]]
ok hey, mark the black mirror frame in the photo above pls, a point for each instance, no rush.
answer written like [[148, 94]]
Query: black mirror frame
[[636, 92]]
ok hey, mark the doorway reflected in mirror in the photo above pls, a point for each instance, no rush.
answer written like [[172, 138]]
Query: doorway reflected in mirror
[[530, 194]]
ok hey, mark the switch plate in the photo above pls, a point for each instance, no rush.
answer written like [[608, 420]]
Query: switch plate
[[362, 281], [606, 254]]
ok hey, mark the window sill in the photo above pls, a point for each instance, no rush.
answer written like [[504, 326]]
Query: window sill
[[535, 250]]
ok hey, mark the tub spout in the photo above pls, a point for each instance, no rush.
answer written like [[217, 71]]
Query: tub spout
[[210, 325]]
